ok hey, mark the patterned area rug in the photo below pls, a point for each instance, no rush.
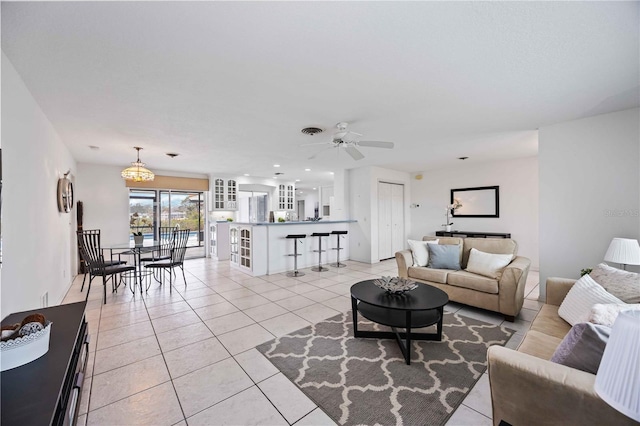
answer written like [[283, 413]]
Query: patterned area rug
[[366, 381]]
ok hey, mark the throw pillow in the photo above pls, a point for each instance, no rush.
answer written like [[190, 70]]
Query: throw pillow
[[624, 285], [444, 256], [419, 251], [487, 264], [585, 293], [607, 314], [582, 347]]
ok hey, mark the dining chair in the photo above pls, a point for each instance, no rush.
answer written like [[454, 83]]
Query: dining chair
[[179, 241], [165, 239], [93, 237], [91, 252]]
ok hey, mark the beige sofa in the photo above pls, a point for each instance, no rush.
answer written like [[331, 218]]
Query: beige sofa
[[527, 388], [504, 295]]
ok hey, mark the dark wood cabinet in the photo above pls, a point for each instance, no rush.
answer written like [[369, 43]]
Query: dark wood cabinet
[[47, 391], [468, 234]]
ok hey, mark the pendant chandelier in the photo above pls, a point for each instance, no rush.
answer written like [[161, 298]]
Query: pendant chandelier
[[137, 172]]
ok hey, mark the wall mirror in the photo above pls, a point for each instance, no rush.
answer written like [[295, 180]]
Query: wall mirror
[[481, 201]]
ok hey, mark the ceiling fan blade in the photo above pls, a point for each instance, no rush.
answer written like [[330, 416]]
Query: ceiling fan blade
[[315, 143], [376, 144], [319, 152], [354, 153]]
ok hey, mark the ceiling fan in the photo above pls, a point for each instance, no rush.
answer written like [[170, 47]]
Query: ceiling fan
[[347, 139]]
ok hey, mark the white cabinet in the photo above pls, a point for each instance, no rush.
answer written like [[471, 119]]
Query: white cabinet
[[245, 247], [286, 197], [233, 245], [390, 219], [213, 240], [240, 246], [225, 194]]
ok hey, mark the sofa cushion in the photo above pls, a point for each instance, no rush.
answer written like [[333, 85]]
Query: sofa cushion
[[606, 314], [419, 251], [585, 293], [444, 256], [473, 281], [447, 241], [488, 245], [549, 322], [539, 344], [624, 285], [429, 274], [487, 264], [582, 347]]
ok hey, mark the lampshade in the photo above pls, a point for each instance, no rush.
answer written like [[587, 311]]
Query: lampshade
[[137, 172], [624, 251], [618, 377]]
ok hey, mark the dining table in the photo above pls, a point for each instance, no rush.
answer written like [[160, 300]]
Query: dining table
[[135, 250]]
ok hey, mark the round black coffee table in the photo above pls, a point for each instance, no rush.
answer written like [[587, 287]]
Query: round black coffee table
[[416, 308]]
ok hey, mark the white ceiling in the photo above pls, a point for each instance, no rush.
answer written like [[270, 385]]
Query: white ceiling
[[229, 85]]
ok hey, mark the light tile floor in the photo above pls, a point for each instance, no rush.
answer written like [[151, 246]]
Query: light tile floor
[[188, 357]]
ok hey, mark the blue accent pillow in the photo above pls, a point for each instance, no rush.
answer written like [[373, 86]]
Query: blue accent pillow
[[444, 256]]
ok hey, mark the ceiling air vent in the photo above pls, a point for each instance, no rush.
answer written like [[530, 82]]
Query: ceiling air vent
[[311, 130]]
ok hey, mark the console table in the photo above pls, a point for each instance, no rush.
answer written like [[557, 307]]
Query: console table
[[469, 234], [47, 391]]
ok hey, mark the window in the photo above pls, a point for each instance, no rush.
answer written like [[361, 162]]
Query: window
[[181, 209]]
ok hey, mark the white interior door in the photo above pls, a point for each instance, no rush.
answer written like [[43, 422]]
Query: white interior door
[[397, 218], [384, 220], [390, 219]]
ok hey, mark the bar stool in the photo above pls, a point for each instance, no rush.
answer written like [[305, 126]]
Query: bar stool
[[295, 238], [337, 263], [320, 268]]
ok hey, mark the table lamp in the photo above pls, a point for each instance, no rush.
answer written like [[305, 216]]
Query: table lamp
[[624, 251], [618, 377]]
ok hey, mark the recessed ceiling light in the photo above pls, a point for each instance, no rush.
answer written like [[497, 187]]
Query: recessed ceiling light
[[93, 147], [314, 189], [307, 170], [275, 177], [297, 180], [330, 173], [247, 174], [276, 165], [462, 158]]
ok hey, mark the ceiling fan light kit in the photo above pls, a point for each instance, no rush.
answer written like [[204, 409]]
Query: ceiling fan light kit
[[347, 139]]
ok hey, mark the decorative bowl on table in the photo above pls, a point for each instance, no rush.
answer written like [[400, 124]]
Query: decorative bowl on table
[[26, 348], [395, 285]]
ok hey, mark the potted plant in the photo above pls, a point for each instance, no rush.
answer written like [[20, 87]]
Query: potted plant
[[138, 238]]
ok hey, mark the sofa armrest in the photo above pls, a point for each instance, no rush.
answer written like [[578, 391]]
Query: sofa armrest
[[530, 390], [404, 260], [557, 289], [511, 286]]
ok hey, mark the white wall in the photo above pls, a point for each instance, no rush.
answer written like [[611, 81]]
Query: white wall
[[589, 190], [105, 199], [518, 181], [39, 252], [363, 206]]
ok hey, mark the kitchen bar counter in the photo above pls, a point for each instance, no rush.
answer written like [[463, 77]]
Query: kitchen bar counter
[[269, 247], [295, 222]]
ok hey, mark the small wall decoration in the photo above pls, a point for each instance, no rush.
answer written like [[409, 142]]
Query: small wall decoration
[[482, 201], [65, 194]]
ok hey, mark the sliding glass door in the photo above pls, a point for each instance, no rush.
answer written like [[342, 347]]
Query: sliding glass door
[[150, 209], [142, 213], [184, 210]]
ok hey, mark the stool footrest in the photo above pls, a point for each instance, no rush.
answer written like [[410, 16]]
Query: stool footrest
[[319, 251]]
